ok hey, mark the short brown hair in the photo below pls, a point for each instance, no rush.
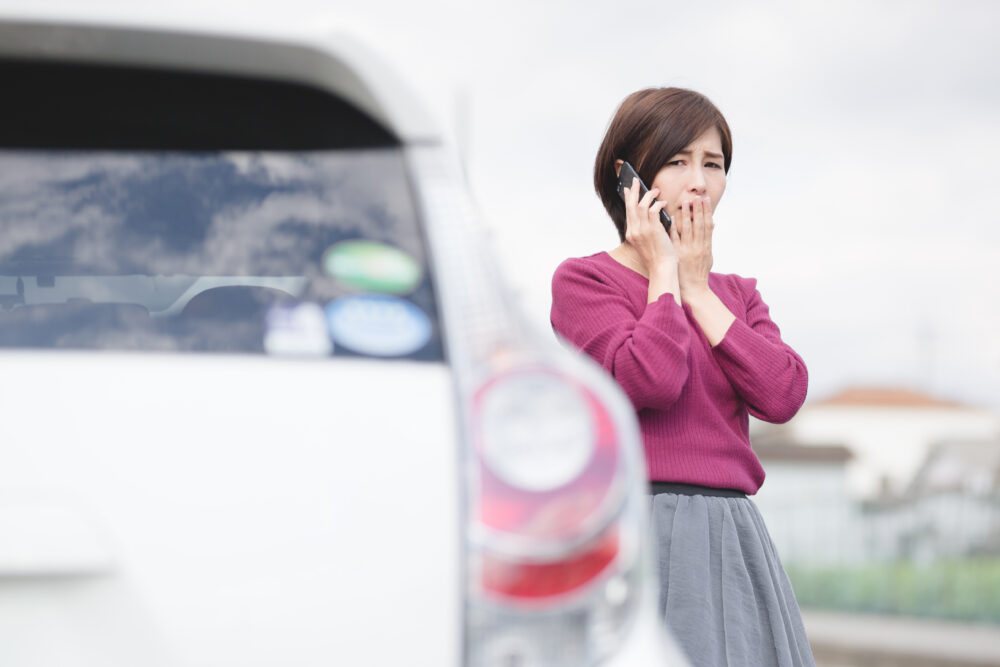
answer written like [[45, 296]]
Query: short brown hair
[[650, 127]]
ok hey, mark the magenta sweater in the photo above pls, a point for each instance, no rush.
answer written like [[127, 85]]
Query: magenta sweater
[[692, 399]]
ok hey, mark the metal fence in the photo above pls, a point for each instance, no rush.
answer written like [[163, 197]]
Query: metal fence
[[935, 556]]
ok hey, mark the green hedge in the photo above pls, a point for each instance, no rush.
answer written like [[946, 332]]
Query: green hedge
[[967, 590]]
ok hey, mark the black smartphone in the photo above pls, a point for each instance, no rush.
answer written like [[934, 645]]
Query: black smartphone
[[625, 177]]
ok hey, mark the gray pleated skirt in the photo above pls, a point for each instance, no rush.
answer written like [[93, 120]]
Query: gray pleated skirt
[[723, 591]]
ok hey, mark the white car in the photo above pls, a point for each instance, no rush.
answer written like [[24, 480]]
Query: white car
[[265, 399]]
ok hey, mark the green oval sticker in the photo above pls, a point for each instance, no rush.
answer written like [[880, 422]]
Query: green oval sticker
[[372, 267]]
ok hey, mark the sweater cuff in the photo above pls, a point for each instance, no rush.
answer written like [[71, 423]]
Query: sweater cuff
[[667, 311], [666, 301], [746, 348]]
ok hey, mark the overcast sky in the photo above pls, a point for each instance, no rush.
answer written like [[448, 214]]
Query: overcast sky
[[862, 191]]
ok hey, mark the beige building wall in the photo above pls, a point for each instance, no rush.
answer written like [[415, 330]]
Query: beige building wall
[[889, 432]]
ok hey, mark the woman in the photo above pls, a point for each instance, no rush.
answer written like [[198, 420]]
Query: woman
[[696, 353]]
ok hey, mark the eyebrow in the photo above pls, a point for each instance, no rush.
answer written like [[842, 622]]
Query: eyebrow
[[717, 156]]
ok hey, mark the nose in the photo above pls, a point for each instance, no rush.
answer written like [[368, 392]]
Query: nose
[[697, 184]]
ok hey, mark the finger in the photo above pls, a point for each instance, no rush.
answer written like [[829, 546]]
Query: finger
[[687, 233], [631, 198], [654, 213], [632, 193], [645, 206], [709, 223], [675, 227], [704, 215], [647, 199], [698, 222], [674, 233]]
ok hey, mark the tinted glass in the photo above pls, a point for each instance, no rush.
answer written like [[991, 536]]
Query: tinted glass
[[312, 253]]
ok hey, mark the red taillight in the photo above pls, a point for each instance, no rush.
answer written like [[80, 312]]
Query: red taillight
[[550, 481], [529, 580]]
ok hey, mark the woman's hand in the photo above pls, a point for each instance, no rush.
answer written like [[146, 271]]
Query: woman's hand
[[645, 234], [644, 231], [691, 234]]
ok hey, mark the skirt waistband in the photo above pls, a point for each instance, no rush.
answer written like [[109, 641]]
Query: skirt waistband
[[693, 490]]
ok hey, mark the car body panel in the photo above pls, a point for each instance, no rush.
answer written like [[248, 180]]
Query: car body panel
[[212, 510]]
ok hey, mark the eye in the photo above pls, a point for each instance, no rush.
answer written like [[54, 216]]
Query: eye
[[675, 163], [713, 165]]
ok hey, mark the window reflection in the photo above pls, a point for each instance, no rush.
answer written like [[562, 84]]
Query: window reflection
[[186, 251]]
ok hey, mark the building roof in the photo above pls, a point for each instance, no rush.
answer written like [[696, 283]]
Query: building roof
[[886, 397]]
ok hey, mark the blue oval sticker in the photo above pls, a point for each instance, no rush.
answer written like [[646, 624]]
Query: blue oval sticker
[[382, 326]]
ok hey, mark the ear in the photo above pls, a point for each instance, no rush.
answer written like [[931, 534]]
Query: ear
[[618, 167]]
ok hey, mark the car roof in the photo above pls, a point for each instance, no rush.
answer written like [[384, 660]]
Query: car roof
[[336, 63]]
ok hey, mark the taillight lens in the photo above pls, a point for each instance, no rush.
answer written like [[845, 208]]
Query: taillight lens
[[557, 517], [549, 483], [549, 458], [531, 436], [526, 580]]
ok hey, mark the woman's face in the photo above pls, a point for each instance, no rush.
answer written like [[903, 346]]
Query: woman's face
[[697, 171]]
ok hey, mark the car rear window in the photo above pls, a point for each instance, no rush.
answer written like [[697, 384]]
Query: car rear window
[[275, 252], [182, 211]]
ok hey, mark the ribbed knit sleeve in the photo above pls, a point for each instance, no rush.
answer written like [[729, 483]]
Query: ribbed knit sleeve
[[646, 352], [767, 374]]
